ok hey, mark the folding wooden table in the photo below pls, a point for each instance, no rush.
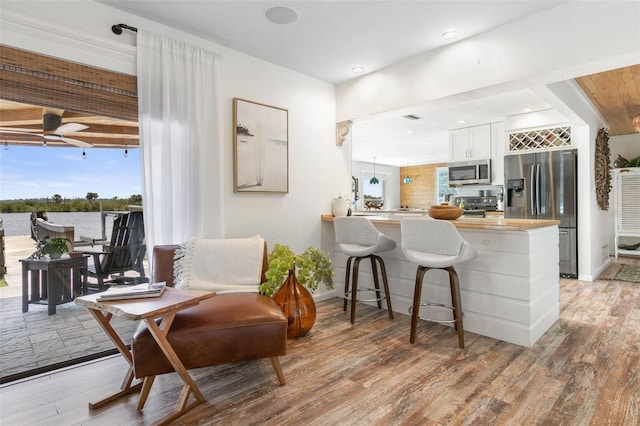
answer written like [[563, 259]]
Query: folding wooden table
[[149, 310]]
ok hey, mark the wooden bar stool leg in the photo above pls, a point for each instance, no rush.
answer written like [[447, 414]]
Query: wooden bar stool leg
[[376, 280], [347, 275], [354, 289], [454, 283], [417, 294], [385, 284]]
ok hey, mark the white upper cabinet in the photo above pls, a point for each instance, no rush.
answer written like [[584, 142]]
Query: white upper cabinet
[[470, 143]]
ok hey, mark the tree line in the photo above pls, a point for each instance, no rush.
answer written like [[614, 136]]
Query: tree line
[[56, 203]]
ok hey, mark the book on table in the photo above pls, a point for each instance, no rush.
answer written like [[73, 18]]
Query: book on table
[[138, 291]]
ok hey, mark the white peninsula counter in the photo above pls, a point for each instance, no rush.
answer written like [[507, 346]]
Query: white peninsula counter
[[510, 291]]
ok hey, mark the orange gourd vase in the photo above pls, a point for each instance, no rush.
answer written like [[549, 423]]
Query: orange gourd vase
[[298, 306]]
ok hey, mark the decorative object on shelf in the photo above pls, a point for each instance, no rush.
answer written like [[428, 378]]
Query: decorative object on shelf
[[374, 180], [342, 130], [620, 162], [601, 169], [445, 211], [307, 270], [340, 206], [297, 305], [54, 247], [636, 123], [407, 180], [633, 163], [260, 148]]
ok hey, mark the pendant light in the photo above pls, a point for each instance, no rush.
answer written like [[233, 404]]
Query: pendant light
[[84, 154], [126, 150], [408, 179], [374, 180]]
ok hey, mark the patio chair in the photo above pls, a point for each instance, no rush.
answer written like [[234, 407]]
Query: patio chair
[[124, 253]]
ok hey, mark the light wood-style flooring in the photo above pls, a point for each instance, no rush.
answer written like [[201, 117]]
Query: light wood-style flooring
[[584, 371]]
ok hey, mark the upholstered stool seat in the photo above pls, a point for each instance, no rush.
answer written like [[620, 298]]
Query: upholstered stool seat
[[435, 244], [359, 239]]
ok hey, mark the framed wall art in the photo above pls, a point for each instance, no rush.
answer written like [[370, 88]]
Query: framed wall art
[[260, 148]]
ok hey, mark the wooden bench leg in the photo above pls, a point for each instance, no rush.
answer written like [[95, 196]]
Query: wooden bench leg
[[146, 388], [276, 366]]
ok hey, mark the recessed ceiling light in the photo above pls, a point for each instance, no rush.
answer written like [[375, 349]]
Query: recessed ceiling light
[[527, 110], [409, 131], [449, 35], [357, 70], [281, 15], [461, 121]]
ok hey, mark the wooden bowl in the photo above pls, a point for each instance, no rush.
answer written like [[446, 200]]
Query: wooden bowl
[[445, 212]]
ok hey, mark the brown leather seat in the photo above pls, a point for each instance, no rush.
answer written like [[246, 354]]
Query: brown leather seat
[[222, 329]]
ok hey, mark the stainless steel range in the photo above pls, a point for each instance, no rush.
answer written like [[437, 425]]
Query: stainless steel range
[[485, 203]]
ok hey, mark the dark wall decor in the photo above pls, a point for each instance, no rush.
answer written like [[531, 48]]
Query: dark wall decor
[[601, 169], [260, 148]]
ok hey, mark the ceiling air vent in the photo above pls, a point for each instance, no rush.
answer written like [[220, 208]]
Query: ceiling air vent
[[412, 117]]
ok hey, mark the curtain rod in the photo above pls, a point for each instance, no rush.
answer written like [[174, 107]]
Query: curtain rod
[[117, 29]]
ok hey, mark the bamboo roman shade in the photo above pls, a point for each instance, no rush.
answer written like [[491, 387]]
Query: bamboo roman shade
[[35, 79]]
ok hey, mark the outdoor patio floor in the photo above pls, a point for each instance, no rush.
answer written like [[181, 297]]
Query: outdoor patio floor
[[34, 339]]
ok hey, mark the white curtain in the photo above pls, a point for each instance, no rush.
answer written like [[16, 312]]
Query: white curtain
[[180, 140]]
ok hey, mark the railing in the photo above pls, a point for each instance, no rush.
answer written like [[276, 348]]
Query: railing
[[53, 230]]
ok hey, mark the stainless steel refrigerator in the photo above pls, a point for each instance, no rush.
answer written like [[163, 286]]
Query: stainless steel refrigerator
[[543, 185]]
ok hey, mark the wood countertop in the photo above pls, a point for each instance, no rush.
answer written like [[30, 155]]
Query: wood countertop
[[495, 223]]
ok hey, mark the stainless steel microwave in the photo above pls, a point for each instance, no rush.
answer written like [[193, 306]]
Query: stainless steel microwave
[[470, 173]]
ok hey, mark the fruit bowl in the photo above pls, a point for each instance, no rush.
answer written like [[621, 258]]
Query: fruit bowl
[[445, 212]]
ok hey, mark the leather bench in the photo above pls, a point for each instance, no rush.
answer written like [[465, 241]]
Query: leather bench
[[225, 328]]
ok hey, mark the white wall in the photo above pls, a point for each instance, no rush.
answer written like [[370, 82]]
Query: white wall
[[318, 169], [628, 146]]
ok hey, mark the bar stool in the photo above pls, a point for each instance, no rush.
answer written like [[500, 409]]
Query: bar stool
[[435, 244], [359, 239]]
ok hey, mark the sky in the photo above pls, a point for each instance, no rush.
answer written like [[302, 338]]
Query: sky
[[37, 172]]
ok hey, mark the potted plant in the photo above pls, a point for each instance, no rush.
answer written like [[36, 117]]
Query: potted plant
[[54, 247], [311, 267], [289, 275]]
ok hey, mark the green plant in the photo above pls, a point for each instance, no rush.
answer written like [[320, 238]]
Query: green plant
[[51, 246], [312, 267]]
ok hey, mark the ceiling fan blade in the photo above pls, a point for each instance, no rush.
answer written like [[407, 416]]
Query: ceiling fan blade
[[77, 142], [19, 130], [70, 128], [70, 141]]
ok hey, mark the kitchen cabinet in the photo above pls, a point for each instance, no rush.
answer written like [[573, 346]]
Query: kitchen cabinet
[[470, 143], [626, 184], [497, 153]]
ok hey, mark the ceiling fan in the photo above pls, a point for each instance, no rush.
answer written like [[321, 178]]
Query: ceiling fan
[[52, 129]]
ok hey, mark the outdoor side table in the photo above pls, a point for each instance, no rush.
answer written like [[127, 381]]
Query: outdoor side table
[[53, 281]]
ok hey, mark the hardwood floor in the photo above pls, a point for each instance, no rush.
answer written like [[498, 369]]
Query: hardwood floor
[[584, 371]]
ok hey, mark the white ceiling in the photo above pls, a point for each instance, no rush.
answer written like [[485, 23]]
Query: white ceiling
[[330, 38], [397, 141]]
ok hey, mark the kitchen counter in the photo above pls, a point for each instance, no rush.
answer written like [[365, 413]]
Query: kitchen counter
[[510, 291], [496, 223]]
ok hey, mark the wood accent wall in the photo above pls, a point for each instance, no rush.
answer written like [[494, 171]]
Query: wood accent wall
[[421, 193]]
